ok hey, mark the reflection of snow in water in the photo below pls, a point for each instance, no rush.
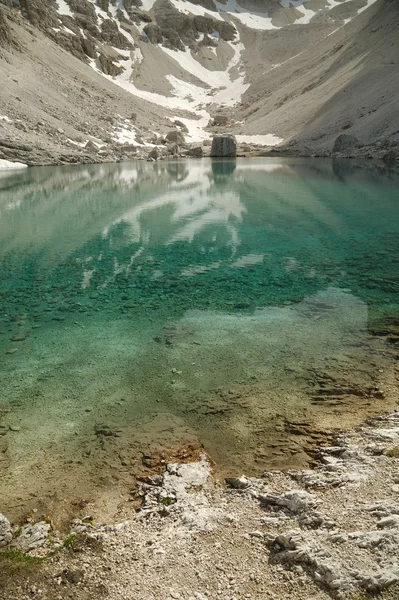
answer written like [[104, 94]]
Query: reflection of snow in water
[[196, 202]]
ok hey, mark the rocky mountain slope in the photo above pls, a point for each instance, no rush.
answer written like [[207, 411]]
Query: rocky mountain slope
[[87, 80]]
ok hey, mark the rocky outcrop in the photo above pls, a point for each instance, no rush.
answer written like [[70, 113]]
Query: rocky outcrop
[[111, 35], [224, 146], [5, 31], [41, 14], [108, 66], [178, 30]]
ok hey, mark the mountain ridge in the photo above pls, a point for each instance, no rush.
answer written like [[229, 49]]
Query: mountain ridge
[[272, 72]]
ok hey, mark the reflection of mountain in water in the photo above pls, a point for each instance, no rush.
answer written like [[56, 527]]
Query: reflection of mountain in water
[[194, 234]]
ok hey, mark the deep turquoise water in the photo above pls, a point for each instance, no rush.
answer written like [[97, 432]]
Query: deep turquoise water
[[186, 299]]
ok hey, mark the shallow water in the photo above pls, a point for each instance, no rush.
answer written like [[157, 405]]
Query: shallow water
[[150, 304]]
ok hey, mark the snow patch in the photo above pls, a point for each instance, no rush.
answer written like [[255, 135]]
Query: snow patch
[[63, 8], [369, 3], [253, 20], [6, 165], [195, 9], [195, 127], [147, 4], [263, 140]]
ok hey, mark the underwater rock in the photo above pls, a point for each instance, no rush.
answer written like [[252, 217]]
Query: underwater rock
[[20, 336]]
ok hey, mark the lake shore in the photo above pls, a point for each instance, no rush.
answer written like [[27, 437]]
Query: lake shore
[[27, 151], [131, 395], [328, 532]]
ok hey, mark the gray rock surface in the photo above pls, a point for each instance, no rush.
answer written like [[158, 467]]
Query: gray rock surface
[[224, 146], [175, 137], [5, 531], [344, 142], [195, 152], [32, 536]]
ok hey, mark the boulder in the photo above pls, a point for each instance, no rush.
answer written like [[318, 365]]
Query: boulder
[[195, 151], [175, 137], [344, 142], [224, 145], [91, 147], [5, 531], [154, 153], [181, 125], [391, 158], [220, 120], [172, 149]]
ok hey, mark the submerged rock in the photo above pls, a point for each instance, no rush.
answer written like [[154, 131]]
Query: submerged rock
[[224, 146]]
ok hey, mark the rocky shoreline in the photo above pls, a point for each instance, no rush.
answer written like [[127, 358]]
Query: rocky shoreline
[[330, 532], [15, 151]]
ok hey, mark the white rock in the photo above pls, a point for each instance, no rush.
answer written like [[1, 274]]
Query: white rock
[[5, 531], [32, 536]]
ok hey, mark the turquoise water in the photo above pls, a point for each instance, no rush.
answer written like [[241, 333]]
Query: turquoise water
[[178, 301]]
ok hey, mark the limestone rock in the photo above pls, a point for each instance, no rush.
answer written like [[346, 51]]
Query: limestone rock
[[32, 536], [238, 483], [296, 501], [91, 147], [195, 151], [224, 145], [220, 120], [181, 125], [344, 142], [108, 66], [5, 531], [172, 149], [154, 153], [175, 137]]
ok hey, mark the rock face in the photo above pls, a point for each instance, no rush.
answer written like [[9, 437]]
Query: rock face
[[344, 142], [5, 531], [224, 146]]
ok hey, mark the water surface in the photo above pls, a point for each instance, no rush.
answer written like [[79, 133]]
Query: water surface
[[150, 306]]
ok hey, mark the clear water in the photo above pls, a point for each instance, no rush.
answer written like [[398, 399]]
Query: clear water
[[183, 301]]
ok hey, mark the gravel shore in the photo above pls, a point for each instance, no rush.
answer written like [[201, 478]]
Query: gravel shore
[[328, 532]]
